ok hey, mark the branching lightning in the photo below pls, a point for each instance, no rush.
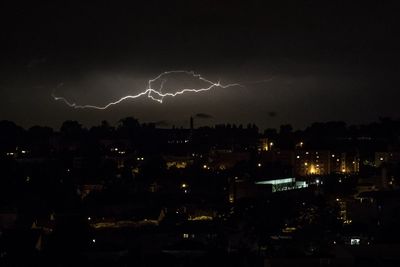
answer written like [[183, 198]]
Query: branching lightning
[[155, 94]]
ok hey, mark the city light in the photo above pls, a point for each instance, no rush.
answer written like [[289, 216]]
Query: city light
[[312, 169], [277, 181]]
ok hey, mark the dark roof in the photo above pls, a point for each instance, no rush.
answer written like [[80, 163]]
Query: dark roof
[[380, 194]]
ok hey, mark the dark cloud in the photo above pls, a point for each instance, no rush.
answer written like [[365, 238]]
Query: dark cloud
[[203, 116], [272, 114], [162, 123], [35, 62], [329, 61]]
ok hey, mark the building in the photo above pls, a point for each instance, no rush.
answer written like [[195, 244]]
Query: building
[[312, 162], [325, 162]]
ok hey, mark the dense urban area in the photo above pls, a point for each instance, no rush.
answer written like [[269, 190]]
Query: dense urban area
[[229, 195]]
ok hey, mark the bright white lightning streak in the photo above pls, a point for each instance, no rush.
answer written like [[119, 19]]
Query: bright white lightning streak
[[150, 91]]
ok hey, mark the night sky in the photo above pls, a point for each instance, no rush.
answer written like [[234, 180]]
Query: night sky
[[299, 62]]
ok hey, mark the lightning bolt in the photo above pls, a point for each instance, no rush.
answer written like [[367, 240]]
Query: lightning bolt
[[155, 94]]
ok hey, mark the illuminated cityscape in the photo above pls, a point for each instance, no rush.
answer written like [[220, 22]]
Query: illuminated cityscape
[[118, 194]]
